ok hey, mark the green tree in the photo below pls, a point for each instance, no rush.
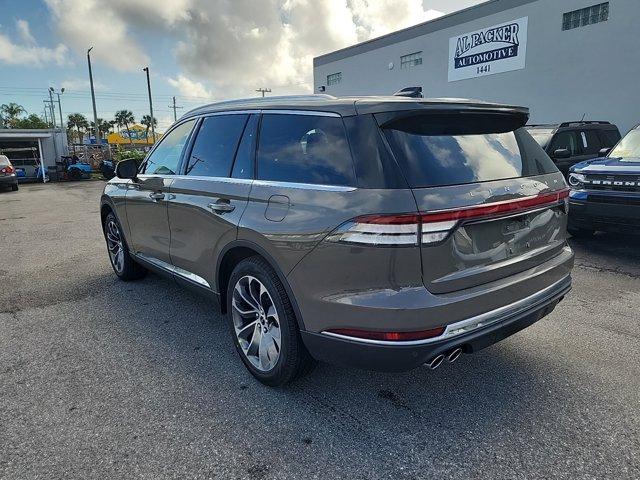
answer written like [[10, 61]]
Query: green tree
[[103, 127], [125, 118], [146, 121], [79, 122], [10, 112], [32, 121]]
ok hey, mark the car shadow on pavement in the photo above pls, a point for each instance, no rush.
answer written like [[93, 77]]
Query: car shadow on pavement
[[610, 249], [512, 387]]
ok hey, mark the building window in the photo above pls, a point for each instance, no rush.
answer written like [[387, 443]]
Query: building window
[[334, 78], [411, 60], [586, 16]]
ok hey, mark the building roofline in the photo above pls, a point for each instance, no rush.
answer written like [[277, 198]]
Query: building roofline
[[468, 14]]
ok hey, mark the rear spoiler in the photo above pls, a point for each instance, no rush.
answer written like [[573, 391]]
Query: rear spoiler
[[494, 119]]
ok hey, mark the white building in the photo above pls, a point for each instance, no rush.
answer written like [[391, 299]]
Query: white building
[[564, 59]]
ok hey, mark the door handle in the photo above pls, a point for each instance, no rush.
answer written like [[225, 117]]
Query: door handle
[[221, 206], [156, 195]]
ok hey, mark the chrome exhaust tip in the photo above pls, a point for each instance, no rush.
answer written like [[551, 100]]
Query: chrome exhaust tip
[[435, 362], [454, 355]]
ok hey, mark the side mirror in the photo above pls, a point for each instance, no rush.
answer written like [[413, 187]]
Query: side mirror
[[604, 152], [562, 153], [127, 168]]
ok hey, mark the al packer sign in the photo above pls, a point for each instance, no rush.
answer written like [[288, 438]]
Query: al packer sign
[[496, 49]]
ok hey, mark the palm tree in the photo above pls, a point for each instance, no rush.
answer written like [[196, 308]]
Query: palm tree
[[146, 121], [125, 117], [103, 127], [10, 112], [77, 121]]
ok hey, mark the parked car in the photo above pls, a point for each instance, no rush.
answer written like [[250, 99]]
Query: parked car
[[569, 143], [605, 192], [8, 176], [383, 233]]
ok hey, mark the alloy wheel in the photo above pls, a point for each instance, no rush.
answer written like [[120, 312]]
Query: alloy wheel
[[256, 323], [115, 246]]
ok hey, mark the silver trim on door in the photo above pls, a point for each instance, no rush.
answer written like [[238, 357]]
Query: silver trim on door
[[304, 186], [181, 272]]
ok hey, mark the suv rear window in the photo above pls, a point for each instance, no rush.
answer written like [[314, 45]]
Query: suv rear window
[[438, 150], [304, 149]]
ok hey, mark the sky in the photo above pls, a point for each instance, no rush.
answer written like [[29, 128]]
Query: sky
[[197, 50]]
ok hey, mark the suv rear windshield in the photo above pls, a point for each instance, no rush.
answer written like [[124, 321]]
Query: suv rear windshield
[[439, 150]]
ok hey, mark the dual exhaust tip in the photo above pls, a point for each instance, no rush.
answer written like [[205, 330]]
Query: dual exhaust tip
[[450, 356]]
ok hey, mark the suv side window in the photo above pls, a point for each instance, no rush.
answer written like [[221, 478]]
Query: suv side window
[[590, 142], [609, 137], [215, 145], [566, 140], [304, 149], [165, 159]]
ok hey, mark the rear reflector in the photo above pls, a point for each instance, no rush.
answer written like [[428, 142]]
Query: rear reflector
[[433, 227], [389, 336]]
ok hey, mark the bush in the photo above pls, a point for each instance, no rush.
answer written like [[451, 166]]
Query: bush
[[123, 154]]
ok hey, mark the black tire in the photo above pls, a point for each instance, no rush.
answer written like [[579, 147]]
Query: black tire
[[581, 232], [14, 188], [75, 174], [129, 269], [294, 361]]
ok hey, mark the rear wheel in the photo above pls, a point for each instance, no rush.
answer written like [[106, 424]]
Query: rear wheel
[[123, 265], [263, 324]]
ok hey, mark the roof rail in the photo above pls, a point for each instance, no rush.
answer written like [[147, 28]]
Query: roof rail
[[584, 122]]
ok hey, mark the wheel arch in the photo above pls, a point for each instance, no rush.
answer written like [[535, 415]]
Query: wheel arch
[[233, 254]]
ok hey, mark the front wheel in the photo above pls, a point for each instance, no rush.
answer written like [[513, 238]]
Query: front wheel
[[263, 324], [123, 265]]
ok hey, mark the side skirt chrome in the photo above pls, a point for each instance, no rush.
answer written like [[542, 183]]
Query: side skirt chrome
[[181, 272]]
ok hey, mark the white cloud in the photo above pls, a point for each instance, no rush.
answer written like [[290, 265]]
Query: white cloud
[[31, 55], [190, 88], [86, 23], [231, 47], [81, 84], [24, 32]]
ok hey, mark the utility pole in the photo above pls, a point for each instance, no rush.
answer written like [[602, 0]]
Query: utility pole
[[175, 117], [263, 91], [54, 137], [153, 129], [59, 104], [93, 100]]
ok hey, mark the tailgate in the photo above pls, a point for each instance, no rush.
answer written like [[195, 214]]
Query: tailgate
[[491, 201], [489, 231]]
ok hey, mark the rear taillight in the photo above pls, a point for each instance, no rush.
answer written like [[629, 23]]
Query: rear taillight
[[433, 227], [8, 169], [379, 230]]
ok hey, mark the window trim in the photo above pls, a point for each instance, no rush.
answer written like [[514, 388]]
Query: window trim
[[566, 26], [302, 185]]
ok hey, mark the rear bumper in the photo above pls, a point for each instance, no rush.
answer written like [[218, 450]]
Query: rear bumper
[[488, 329], [610, 211], [8, 180]]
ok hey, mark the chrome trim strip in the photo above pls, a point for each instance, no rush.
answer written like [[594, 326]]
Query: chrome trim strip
[[301, 112], [304, 186], [479, 321], [243, 181], [181, 272]]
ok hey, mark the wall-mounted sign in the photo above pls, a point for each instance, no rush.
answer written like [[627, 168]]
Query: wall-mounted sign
[[496, 49]]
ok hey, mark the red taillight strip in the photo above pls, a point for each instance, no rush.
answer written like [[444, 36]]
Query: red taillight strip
[[498, 208], [389, 336]]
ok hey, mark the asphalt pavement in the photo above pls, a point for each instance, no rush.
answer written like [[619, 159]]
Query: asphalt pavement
[[105, 379]]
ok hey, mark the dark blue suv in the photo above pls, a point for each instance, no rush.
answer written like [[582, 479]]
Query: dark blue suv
[[605, 192]]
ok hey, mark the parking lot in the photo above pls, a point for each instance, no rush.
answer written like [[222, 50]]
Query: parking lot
[[100, 378]]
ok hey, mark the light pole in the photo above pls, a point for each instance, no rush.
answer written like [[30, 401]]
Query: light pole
[[153, 130], [93, 99]]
